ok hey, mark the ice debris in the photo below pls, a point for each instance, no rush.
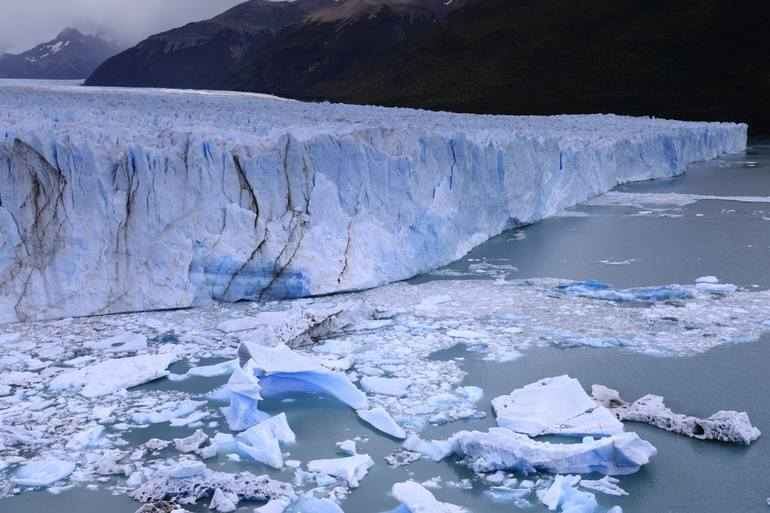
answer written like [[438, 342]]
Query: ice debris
[[111, 376], [351, 469], [381, 420], [598, 290], [724, 426], [246, 486], [607, 485], [417, 499], [554, 406], [261, 442], [564, 495], [396, 387], [42, 473], [125, 342]]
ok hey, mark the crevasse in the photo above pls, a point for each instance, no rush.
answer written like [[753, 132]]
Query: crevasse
[[121, 200]]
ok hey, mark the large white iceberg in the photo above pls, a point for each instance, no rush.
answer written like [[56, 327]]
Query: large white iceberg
[[119, 200], [42, 473], [261, 442], [554, 406], [351, 469]]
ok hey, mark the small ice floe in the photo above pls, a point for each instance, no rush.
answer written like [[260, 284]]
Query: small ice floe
[[125, 342], [168, 412], [415, 498], [724, 426], [554, 406], [111, 376], [348, 447], [710, 284], [42, 473], [196, 443], [88, 438], [274, 506], [261, 442], [606, 485], [436, 450], [207, 371], [270, 371], [187, 469], [351, 469], [598, 290], [503, 449], [563, 494], [224, 502], [396, 387], [402, 458], [382, 421], [246, 486]]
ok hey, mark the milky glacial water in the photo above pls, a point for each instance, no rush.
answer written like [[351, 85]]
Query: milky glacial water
[[622, 245]]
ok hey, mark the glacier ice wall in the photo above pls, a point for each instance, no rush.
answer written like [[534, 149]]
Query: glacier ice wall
[[121, 200]]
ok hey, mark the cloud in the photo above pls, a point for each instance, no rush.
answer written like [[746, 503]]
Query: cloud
[[26, 23]]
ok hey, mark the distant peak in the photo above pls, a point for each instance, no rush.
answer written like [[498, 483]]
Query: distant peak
[[69, 33]]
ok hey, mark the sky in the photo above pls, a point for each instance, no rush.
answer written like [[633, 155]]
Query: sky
[[27, 23]]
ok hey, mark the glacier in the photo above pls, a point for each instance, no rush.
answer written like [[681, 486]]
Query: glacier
[[117, 200]]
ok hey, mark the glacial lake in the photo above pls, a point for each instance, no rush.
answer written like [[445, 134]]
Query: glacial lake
[[625, 246]]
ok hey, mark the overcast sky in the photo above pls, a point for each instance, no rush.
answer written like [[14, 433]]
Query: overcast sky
[[26, 23]]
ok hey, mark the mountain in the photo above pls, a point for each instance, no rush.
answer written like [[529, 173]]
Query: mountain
[[71, 55], [690, 59], [331, 41], [198, 54], [273, 47]]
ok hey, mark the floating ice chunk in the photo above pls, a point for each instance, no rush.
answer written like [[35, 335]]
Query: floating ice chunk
[[207, 371], [402, 458], [351, 469], [599, 290], [313, 505], [436, 450], [84, 439], [396, 387], [417, 499], [244, 389], [111, 376], [261, 442], [274, 506], [615, 509], [707, 279], [348, 447], [280, 370], [381, 420], [606, 485], [122, 343], [502, 449], [470, 393], [223, 502], [506, 494], [716, 288], [246, 486], [186, 469], [42, 473], [169, 412], [724, 426], [191, 443], [564, 494], [554, 406]]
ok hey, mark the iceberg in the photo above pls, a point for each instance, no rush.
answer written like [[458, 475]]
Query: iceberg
[[554, 406], [598, 290], [351, 469], [261, 442], [723, 426], [564, 495], [111, 376], [381, 420], [196, 197], [416, 499], [502, 449], [271, 371], [42, 473]]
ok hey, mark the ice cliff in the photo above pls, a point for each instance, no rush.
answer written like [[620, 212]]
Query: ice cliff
[[121, 200]]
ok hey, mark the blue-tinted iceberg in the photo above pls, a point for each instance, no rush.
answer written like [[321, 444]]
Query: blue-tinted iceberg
[[42, 473], [414, 498], [598, 290]]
